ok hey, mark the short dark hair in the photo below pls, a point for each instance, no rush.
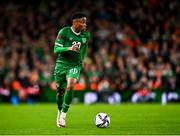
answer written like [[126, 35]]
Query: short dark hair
[[77, 15]]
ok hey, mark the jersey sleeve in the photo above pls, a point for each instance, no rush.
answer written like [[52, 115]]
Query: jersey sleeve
[[59, 42]]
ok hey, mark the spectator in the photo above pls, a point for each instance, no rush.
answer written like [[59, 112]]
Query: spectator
[[130, 41]]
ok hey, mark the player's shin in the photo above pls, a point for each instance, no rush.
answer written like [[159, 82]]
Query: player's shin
[[59, 99], [68, 96]]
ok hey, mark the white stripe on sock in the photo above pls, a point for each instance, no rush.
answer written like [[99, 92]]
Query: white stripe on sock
[[66, 104]]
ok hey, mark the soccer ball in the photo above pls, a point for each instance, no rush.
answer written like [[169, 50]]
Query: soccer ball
[[102, 120]]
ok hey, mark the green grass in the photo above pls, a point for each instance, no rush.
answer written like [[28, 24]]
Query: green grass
[[126, 119]]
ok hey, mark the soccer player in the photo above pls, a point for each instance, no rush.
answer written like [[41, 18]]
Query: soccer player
[[70, 46]]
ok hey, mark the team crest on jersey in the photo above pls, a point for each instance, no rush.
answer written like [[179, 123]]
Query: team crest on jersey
[[70, 39], [84, 40]]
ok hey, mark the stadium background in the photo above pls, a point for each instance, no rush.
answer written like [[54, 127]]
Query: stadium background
[[134, 47]]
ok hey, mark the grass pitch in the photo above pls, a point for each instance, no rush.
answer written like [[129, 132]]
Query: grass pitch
[[126, 119]]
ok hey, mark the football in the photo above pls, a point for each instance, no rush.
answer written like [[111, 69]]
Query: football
[[102, 120]]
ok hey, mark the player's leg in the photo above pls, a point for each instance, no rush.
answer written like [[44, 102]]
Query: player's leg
[[68, 96], [60, 79], [72, 77], [67, 101], [60, 95]]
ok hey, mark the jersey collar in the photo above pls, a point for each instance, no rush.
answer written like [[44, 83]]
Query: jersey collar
[[75, 32]]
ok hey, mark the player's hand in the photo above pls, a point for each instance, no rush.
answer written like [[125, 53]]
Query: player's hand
[[75, 47]]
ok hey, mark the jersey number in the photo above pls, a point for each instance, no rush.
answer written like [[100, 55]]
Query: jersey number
[[73, 70], [73, 43]]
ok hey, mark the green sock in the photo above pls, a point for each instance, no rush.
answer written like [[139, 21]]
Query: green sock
[[67, 100], [59, 99]]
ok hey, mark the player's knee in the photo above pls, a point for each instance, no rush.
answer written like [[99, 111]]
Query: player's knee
[[71, 84]]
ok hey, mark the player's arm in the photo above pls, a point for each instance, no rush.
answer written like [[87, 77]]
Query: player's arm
[[61, 49], [59, 43]]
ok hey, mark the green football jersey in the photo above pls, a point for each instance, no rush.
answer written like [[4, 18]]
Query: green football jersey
[[65, 39]]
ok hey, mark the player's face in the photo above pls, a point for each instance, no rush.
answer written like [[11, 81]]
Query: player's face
[[81, 24]]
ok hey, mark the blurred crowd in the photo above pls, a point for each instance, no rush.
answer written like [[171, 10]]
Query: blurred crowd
[[135, 45]]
